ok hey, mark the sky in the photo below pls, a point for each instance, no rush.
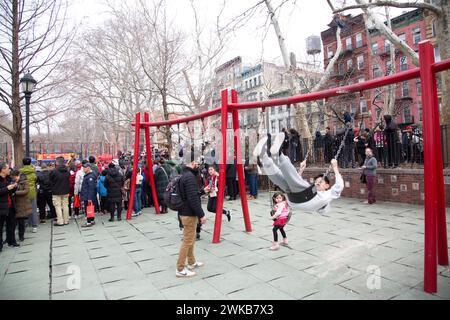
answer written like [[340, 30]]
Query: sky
[[297, 23]]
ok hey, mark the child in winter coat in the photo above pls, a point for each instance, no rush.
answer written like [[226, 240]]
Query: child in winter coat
[[280, 216]]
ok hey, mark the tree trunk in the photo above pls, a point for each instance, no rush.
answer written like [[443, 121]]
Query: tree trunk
[[389, 100], [167, 132], [15, 101], [443, 40]]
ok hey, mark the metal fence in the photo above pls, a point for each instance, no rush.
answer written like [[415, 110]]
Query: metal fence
[[392, 150]]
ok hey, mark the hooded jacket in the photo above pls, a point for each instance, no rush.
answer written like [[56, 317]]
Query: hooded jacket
[[60, 181], [22, 203], [30, 172], [114, 183]]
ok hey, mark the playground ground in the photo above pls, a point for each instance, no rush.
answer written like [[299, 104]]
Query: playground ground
[[354, 252]]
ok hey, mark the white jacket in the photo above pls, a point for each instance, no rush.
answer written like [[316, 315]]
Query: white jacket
[[321, 202], [78, 181]]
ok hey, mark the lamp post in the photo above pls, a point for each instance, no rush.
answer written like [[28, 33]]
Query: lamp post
[[28, 84]]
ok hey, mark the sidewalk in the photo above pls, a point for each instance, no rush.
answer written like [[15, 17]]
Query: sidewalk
[[328, 258]]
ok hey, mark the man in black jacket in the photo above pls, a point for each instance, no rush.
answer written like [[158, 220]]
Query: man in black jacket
[[59, 180], [44, 193], [190, 213]]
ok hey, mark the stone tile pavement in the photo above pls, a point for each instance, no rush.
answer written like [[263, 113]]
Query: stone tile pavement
[[335, 256]]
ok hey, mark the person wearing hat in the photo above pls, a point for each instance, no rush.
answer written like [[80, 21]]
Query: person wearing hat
[[89, 191]]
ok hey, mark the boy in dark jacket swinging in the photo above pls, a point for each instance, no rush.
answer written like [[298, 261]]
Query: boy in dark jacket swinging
[[190, 213]]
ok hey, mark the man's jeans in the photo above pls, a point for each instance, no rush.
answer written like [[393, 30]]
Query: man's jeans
[[187, 247], [34, 218], [253, 184], [137, 199]]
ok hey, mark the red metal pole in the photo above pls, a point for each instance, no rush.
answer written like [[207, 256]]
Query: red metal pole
[[240, 166], [151, 178], [137, 130], [442, 244], [430, 168], [222, 168]]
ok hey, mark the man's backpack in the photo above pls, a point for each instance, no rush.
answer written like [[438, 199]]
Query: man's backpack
[[172, 195]]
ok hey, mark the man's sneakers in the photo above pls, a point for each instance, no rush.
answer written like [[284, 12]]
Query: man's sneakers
[[277, 143], [196, 265], [185, 273], [34, 230], [261, 147], [228, 214]]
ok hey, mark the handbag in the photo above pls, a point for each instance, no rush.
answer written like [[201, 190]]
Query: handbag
[[363, 178], [76, 201], [90, 210]]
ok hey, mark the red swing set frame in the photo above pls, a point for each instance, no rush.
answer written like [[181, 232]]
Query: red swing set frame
[[435, 214]]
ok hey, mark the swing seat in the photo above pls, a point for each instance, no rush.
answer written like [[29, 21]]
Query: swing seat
[[303, 196]]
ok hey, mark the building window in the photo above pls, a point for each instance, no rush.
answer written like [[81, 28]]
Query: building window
[[375, 48], [352, 109], [359, 42], [403, 63], [272, 110], [388, 67], [363, 106], [419, 87], [280, 124], [330, 52], [379, 113], [407, 114], [378, 94], [341, 69], [362, 79], [261, 96], [349, 65], [260, 80], [360, 60], [280, 78], [437, 54], [419, 108], [433, 28], [402, 37], [416, 35], [376, 70], [348, 43], [405, 89], [387, 46]]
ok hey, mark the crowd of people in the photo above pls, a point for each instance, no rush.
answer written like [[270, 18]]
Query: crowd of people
[[391, 145]]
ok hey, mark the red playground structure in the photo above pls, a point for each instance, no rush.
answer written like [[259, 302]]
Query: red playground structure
[[436, 248]]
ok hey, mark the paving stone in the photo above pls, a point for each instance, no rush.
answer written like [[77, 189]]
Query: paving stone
[[388, 289], [90, 294], [123, 272], [268, 270], [297, 285], [197, 290], [335, 293], [301, 260], [232, 281], [131, 288], [260, 291]]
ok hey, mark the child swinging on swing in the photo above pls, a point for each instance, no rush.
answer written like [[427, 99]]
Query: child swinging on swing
[[280, 217]]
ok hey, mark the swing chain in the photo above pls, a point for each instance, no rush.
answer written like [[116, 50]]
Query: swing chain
[[340, 148]]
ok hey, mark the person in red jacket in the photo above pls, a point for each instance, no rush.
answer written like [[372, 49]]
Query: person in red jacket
[[73, 171]]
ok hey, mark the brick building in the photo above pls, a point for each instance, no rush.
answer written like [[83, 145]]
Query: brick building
[[358, 62]]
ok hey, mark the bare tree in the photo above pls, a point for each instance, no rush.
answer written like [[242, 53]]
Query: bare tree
[[32, 38]]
